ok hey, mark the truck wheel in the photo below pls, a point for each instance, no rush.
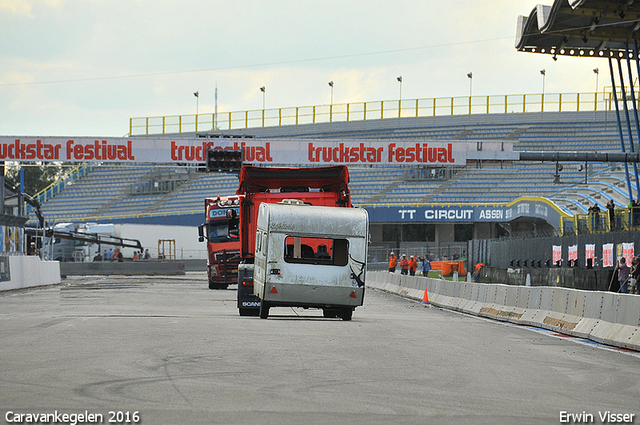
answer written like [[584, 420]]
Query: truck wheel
[[213, 285], [264, 310], [246, 312], [329, 313], [346, 314]]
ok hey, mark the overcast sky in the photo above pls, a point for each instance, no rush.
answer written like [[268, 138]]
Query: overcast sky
[[84, 67]]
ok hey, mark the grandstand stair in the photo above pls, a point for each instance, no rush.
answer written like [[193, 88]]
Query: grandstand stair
[[445, 184], [517, 132], [152, 208], [388, 188], [117, 199]]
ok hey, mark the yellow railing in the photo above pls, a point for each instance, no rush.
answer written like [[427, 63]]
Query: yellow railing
[[358, 111], [623, 219], [56, 187]]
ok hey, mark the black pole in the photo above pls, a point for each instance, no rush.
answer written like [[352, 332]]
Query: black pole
[[626, 110]]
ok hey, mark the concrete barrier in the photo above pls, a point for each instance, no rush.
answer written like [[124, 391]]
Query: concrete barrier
[[29, 271], [605, 317], [125, 268]]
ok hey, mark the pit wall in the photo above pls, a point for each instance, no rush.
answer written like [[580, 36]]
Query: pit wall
[[606, 317], [28, 271]]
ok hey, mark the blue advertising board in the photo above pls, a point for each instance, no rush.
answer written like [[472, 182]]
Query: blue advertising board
[[467, 213]]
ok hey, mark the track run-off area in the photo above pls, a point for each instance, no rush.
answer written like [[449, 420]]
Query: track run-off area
[[169, 350]]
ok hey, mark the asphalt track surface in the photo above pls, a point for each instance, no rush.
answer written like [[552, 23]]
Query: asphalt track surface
[[176, 352]]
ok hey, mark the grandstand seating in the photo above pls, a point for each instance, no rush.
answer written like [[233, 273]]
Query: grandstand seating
[[106, 190]]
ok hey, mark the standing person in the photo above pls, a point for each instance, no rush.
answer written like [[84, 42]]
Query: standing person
[[404, 264], [612, 214], [635, 275], [393, 262], [623, 274], [117, 256], [595, 211], [426, 266], [147, 256], [413, 265], [476, 276]]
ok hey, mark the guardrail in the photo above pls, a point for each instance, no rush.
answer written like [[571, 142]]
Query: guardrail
[[362, 111]]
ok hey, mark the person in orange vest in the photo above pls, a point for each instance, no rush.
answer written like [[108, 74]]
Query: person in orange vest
[[413, 265], [478, 270], [393, 262], [404, 264]]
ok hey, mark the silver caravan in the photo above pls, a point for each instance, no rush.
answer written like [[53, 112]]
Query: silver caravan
[[310, 256]]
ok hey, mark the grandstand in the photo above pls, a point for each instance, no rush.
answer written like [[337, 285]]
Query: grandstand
[[111, 192]]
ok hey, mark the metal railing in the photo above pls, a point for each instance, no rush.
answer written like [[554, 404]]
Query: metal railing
[[623, 219], [362, 111]]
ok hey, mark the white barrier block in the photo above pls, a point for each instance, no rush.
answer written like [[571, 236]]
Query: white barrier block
[[27, 271], [490, 296], [628, 310], [633, 340], [602, 331], [593, 305], [585, 327], [621, 336], [576, 302], [512, 294], [535, 298], [560, 300], [608, 311]]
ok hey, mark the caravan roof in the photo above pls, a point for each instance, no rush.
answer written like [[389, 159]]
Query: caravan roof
[[312, 220]]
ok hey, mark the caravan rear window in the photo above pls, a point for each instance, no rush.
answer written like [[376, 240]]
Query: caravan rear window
[[303, 250]]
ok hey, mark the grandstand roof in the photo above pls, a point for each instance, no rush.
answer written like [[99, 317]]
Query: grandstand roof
[[587, 28]]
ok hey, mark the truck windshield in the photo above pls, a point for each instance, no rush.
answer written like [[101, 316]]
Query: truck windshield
[[223, 230]]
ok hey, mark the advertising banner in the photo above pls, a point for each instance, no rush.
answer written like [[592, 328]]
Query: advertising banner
[[256, 151], [627, 252], [521, 207], [557, 253], [607, 255], [590, 253], [573, 253]]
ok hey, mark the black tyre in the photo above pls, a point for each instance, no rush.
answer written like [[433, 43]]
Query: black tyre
[[264, 310], [329, 313], [213, 285], [346, 314]]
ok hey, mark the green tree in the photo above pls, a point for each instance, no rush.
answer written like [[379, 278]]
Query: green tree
[[37, 176]]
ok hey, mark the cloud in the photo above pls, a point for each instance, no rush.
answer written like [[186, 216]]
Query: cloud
[[116, 59], [17, 7], [25, 7]]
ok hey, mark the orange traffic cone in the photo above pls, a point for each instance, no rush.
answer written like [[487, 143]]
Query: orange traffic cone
[[425, 299]]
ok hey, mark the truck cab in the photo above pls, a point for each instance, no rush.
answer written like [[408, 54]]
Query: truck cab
[[221, 231]]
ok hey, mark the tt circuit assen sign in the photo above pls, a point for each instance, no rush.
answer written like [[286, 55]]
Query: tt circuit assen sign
[[522, 207], [256, 151]]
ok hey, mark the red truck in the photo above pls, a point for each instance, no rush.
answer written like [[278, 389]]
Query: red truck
[[221, 231], [317, 186]]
